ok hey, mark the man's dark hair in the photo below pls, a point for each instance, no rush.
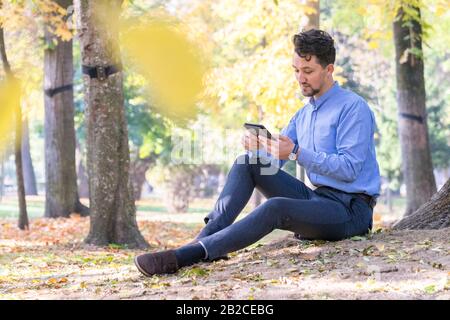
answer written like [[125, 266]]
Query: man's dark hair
[[315, 42]]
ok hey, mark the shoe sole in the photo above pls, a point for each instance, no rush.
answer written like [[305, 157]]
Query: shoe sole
[[140, 269]]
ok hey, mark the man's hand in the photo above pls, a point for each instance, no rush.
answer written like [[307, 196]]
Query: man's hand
[[250, 142], [280, 148]]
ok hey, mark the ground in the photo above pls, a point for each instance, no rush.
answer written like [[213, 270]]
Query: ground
[[50, 261]]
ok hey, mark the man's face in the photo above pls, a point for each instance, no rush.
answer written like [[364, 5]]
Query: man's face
[[310, 75]]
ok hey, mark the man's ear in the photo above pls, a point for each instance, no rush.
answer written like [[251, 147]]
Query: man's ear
[[330, 69]]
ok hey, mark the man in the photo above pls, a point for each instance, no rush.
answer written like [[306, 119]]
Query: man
[[332, 137]]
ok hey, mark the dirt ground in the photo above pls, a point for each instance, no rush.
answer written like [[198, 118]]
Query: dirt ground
[[51, 262]]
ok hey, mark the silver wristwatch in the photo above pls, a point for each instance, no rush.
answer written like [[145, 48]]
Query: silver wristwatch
[[293, 154]]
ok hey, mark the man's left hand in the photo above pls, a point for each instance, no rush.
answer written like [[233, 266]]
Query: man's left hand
[[279, 148]]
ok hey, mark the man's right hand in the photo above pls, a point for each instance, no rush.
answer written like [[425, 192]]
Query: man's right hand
[[250, 142]]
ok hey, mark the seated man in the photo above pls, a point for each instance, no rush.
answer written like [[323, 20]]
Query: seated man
[[331, 137]]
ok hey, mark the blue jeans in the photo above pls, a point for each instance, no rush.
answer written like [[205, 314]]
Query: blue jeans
[[291, 205]]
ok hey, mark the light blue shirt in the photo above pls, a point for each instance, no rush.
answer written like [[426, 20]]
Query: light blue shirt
[[336, 137]]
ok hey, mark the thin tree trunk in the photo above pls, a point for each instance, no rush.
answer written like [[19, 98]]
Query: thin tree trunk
[[28, 170], [113, 212], [256, 198], [389, 199], [61, 196], [23, 215], [313, 18], [83, 183], [416, 158], [434, 214], [138, 169]]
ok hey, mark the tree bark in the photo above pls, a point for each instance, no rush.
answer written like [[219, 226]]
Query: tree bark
[[28, 170], [416, 165], [434, 214], [23, 215], [61, 192], [113, 212]]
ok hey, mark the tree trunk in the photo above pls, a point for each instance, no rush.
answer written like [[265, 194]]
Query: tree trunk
[[138, 169], [83, 185], [434, 214], [389, 198], [113, 212], [256, 198], [179, 187], [313, 18], [23, 215], [417, 166], [61, 193], [83, 181], [28, 170]]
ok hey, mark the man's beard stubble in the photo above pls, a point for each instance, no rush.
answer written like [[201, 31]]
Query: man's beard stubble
[[313, 92]]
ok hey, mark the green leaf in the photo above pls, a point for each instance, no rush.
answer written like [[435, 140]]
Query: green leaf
[[430, 289], [196, 271], [368, 251], [117, 246]]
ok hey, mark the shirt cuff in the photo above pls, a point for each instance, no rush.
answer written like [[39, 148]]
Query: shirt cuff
[[305, 157]]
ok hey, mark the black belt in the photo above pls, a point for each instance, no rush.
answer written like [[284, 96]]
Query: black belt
[[371, 201], [52, 92], [100, 72]]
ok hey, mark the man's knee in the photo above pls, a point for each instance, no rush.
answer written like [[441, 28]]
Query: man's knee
[[273, 210]]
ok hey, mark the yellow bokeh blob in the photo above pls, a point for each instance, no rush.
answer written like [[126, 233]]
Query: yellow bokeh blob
[[170, 64], [9, 101]]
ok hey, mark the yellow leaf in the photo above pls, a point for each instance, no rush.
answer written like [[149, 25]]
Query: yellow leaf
[[63, 280], [63, 33], [373, 45]]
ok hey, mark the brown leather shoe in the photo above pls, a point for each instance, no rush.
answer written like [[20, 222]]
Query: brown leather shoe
[[157, 263]]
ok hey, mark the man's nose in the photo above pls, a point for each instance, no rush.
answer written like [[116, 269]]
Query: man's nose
[[301, 78]]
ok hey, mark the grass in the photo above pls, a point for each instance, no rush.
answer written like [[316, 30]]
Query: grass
[[146, 208]]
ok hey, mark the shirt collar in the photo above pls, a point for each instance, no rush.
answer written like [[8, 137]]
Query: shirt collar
[[316, 103]]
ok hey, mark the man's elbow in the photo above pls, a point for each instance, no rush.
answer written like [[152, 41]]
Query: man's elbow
[[351, 174]]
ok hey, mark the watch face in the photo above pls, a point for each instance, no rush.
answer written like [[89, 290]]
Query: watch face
[[292, 156]]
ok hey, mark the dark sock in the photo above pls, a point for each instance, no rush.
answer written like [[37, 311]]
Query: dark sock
[[190, 254]]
